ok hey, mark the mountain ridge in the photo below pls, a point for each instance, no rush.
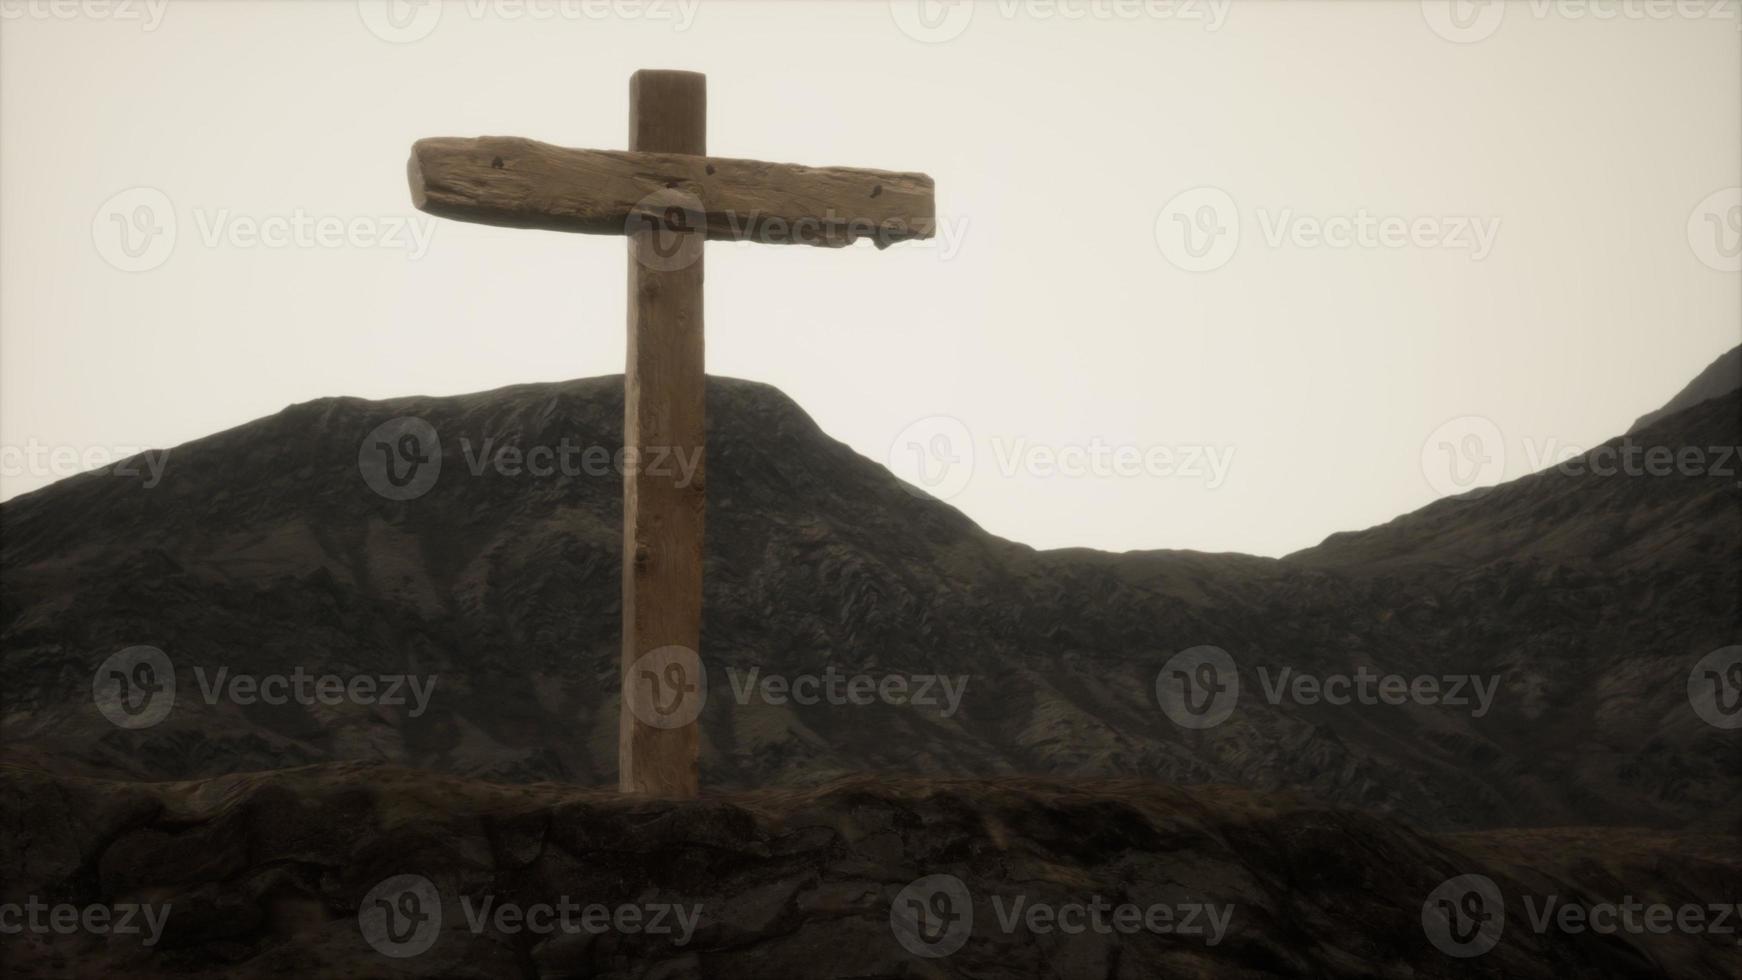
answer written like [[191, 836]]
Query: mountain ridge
[[1721, 377], [264, 549]]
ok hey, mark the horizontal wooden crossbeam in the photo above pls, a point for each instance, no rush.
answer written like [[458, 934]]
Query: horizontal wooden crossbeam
[[521, 183]]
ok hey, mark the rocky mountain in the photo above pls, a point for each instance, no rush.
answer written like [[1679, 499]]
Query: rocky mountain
[[1558, 618], [1721, 377]]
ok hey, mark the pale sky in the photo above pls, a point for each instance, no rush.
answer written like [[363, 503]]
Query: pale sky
[[1534, 213]]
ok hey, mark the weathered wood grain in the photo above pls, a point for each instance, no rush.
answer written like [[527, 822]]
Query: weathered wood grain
[[663, 413], [521, 183], [669, 198]]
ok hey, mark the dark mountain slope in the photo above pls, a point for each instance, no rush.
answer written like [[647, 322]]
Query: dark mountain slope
[[1599, 512], [265, 551], [1720, 378]]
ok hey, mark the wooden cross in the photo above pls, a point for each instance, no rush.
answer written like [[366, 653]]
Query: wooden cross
[[668, 197]]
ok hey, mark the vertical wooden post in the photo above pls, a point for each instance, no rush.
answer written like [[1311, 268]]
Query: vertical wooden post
[[663, 422]]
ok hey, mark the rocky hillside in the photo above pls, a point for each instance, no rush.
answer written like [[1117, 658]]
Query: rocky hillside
[[1618, 511], [1721, 377], [1559, 617], [353, 871]]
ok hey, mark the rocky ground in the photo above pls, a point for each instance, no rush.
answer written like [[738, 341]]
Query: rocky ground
[[281, 874]]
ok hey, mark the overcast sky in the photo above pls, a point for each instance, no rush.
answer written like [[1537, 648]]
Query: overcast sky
[[1227, 279]]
